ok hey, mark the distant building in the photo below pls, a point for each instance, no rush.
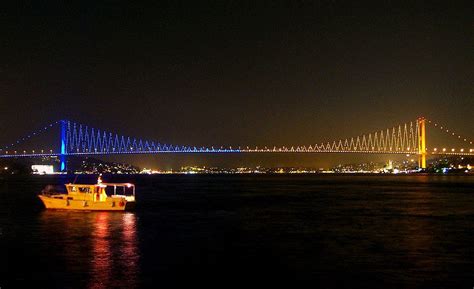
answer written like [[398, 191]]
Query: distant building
[[42, 169]]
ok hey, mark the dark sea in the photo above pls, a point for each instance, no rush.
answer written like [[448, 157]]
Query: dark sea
[[245, 231]]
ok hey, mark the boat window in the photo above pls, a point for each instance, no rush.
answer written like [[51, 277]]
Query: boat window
[[73, 189], [119, 190], [84, 190], [109, 190]]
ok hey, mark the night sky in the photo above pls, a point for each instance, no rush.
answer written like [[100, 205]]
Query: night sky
[[233, 73]]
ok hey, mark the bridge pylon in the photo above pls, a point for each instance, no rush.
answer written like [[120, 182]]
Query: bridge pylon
[[62, 155], [421, 142]]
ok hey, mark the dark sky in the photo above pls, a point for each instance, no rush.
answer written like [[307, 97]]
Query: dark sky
[[233, 73]]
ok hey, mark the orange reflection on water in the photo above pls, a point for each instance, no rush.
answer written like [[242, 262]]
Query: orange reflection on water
[[101, 252], [115, 260], [128, 251], [100, 245]]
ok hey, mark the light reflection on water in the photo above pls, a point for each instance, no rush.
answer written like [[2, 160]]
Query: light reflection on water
[[104, 242]]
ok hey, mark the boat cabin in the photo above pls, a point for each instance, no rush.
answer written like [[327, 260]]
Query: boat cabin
[[100, 192]]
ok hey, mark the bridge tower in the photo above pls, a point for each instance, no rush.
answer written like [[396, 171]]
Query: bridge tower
[[62, 155], [422, 143]]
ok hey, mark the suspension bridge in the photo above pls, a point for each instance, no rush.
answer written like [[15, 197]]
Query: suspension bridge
[[75, 139]]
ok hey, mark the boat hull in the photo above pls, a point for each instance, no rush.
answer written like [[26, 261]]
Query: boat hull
[[67, 203]]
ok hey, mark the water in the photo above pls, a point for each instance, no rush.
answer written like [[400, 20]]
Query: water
[[236, 231]]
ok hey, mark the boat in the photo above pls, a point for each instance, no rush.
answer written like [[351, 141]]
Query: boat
[[90, 197]]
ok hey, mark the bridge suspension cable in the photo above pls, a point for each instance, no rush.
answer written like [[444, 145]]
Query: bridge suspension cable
[[27, 137], [451, 133]]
